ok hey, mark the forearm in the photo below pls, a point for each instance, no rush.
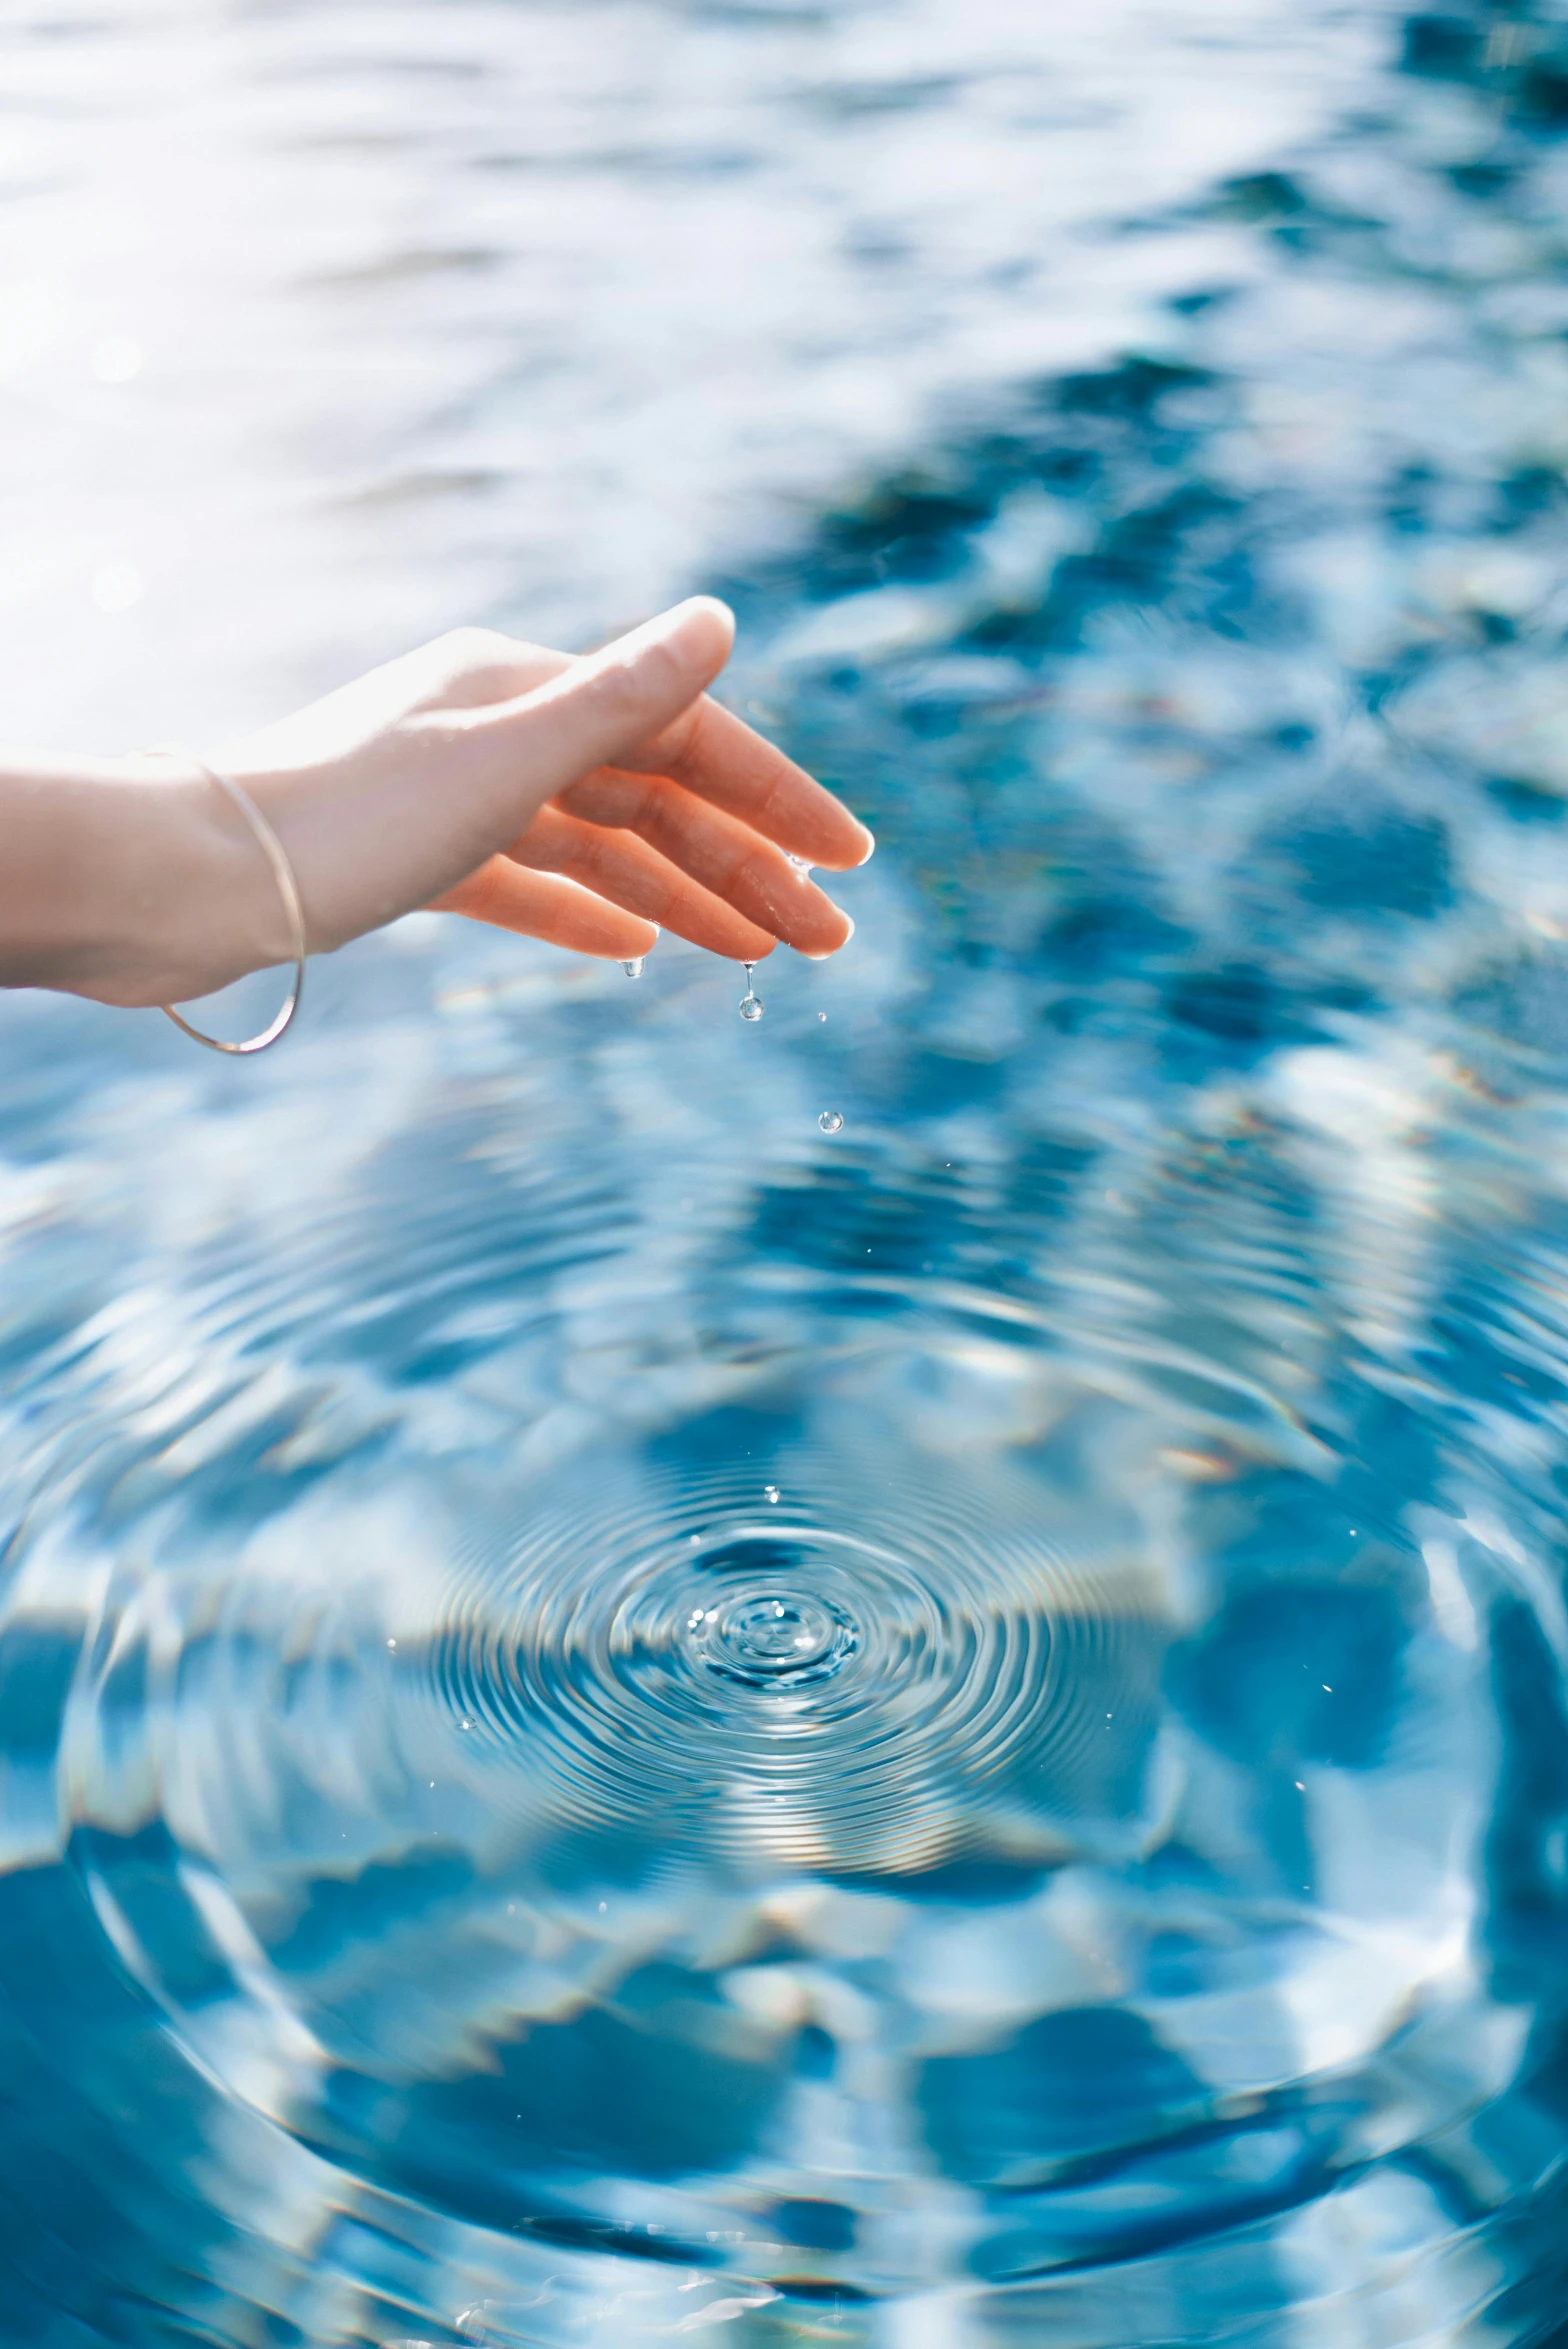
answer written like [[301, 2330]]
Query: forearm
[[124, 879]]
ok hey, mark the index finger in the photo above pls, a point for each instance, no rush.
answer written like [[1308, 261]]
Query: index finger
[[724, 761]]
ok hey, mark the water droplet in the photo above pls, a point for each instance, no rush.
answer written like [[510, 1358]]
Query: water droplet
[[633, 969], [767, 1639], [391, 1643], [751, 1006], [831, 1122], [822, 1015], [770, 1492]]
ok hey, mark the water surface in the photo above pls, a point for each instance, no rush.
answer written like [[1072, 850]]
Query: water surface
[[625, 1715]]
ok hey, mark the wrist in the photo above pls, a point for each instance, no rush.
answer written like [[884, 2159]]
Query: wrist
[[130, 881], [201, 901]]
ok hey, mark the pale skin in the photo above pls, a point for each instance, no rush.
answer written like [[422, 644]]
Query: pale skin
[[588, 800]]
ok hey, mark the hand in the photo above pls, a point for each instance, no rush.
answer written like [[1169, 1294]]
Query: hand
[[581, 800]]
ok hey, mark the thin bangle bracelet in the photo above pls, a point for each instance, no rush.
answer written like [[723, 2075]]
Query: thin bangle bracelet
[[288, 890]]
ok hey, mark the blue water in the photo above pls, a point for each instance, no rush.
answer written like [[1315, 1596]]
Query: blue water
[[626, 1716]]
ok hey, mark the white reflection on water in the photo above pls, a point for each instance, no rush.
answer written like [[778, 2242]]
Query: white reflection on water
[[332, 327], [329, 338]]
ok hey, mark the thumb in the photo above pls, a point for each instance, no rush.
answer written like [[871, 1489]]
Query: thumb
[[601, 707]]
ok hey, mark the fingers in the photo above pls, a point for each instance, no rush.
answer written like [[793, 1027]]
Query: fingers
[[599, 709], [666, 807], [694, 741], [618, 866], [724, 761], [726, 859], [542, 905]]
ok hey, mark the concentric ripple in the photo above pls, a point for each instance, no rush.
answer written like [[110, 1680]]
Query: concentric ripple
[[771, 1639], [896, 1675], [792, 1692]]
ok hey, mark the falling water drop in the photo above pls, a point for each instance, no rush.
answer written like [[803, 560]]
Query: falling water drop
[[751, 1005], [633, 969], [770, 1492], [822, 1015], [831, 1122]]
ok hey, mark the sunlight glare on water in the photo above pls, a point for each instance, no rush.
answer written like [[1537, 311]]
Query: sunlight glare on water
[[630, 1705]]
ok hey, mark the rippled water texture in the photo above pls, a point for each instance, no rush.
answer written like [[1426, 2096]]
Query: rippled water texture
[[894, 1675]]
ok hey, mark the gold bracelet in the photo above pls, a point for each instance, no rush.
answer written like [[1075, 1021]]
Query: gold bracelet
[[288, 890]]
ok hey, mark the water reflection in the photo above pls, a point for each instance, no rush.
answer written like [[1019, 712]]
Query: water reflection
[[623, 1715]]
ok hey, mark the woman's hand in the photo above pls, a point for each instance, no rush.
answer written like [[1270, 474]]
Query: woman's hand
[[589, 801]]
